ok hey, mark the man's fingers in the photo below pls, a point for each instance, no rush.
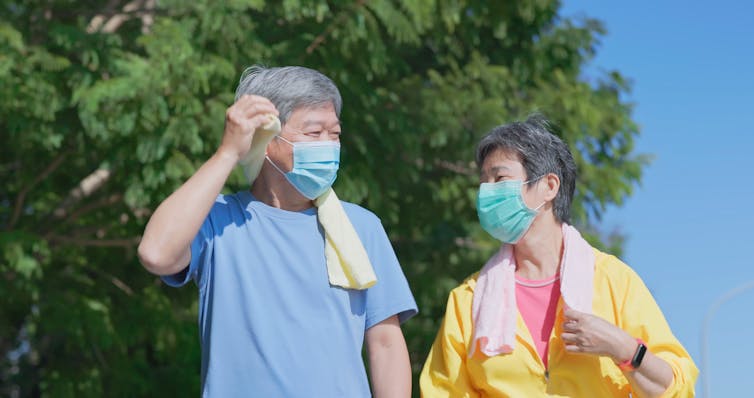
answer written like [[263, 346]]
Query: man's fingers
[[251, 114], [250, 98], [259, 121], [257, 108], [251, 105]]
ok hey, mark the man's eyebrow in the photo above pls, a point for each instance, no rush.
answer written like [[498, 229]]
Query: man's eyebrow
[[316, 122]]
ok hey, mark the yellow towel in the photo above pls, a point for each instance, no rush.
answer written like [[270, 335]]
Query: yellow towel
[[252, 162], [347, 261], [348, 265]]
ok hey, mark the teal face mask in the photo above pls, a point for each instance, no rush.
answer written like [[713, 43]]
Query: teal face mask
[[315, 166], [502, 211]]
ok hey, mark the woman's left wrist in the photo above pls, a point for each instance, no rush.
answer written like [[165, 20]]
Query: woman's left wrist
[[626, 350]]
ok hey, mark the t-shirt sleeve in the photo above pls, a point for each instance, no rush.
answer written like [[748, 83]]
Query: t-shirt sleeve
[[391, 294], [201, 253]]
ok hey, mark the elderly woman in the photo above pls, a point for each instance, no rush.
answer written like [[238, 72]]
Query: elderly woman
[[548, 315]]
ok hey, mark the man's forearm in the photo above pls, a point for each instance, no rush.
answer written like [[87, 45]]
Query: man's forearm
[[165, 246], [389, 364]]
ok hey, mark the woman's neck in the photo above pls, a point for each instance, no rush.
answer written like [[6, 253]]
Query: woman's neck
[[538, 254]]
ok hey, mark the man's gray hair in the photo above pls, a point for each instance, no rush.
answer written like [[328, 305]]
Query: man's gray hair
[[540, 152], [290, 88]]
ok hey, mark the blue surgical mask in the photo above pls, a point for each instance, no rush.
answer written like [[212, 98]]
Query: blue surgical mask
[[502, 211], [315, 166]]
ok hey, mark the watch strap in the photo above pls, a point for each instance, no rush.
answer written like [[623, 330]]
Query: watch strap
[[633, 363]]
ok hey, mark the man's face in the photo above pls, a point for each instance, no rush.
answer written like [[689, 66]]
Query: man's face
[[319, 123]]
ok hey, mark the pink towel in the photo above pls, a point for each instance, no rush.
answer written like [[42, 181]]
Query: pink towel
[[494, 310]]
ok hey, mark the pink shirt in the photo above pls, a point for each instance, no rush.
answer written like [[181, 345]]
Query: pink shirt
[[537, 306]]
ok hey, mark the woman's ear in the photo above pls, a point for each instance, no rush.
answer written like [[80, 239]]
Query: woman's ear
[[552, 186]]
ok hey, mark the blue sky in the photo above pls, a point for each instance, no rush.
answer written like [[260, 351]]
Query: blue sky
[[689, 223]]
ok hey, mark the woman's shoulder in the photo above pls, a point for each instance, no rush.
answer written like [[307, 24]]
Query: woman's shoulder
[[608, 266], [466, 288]]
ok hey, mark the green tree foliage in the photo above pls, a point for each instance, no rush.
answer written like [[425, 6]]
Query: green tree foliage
[[106, 107]]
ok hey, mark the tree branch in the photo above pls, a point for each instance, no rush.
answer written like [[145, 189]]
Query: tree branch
[[113, 279], [456, 167], [128, 243], [109, 22], [331, 27], [98, 355], [22, 195], [103, 202], [86, 187], [121, 285], [8, 167]]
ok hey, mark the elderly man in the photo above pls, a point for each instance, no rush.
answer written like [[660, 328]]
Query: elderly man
[[273, 320]]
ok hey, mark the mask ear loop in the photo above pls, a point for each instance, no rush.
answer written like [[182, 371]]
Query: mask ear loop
[[270, 160], [535, 179], [532, 179], [274, 165], [284, 140]]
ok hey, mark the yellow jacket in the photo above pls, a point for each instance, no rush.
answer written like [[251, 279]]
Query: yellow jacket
[[620, 297]]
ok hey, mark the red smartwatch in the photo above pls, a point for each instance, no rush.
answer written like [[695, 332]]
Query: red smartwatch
[[633, 363]]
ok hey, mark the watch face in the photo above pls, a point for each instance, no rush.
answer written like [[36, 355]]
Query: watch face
[[639, 355]]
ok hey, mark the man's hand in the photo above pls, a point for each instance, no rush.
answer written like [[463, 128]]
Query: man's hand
[[242, 119], [589, 334], [165, 247]]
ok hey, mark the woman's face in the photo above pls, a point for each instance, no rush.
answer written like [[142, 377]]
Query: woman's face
[[504, 165]]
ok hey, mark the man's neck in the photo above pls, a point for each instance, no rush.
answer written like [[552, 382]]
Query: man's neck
[[274, 190]]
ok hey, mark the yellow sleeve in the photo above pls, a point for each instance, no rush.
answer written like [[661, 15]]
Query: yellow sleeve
[[445, 373], [642, 318]]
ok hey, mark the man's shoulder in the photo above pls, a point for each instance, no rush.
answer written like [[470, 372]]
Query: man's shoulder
[[360, 215], [232, 198], [224, 200], [228, 207]]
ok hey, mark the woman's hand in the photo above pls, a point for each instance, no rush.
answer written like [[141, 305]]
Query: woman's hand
[[592, 335], [589, 334]]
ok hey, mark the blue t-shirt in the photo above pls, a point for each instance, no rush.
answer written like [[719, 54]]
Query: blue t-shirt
[[270, 323]]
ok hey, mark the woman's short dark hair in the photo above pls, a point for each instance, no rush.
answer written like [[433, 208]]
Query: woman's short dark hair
[[540, 152]]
